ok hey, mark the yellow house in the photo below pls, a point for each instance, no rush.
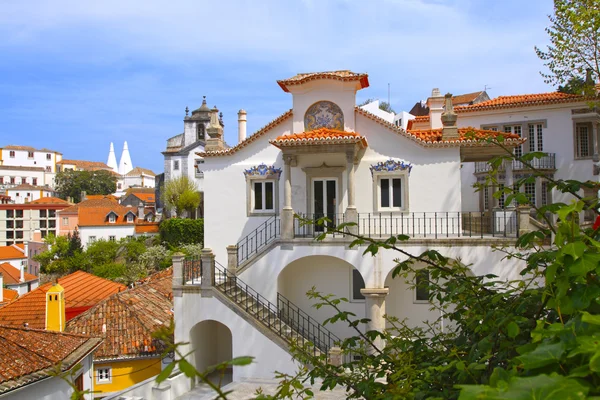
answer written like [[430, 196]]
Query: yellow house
[[126, 320]]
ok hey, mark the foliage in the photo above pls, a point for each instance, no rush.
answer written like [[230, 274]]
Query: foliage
[[178, 231], [181, 194], [574, 41], [383, 105], [575, 85], [71, 183], [192, 249]]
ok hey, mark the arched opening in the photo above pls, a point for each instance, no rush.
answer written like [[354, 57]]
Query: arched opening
[[329, 275], [212, 344]]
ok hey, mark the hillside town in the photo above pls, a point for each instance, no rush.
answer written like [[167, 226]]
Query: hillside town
[[345, 249]]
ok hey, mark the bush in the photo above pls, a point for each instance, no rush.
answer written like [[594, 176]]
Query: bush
[[179, 231]]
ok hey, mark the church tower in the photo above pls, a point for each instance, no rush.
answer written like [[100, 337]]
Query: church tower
[[125, 165], [112, 160]]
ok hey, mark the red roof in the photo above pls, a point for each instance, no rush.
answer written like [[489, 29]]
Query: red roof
[[465, 135], [81, 290], [523, 100], [49, 200], [8, 295], [342, 75], [12, 275], [146, 227], [319, 136], [11, 252], [145, 197]]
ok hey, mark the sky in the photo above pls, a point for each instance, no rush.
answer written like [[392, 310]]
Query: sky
[[78, 75]]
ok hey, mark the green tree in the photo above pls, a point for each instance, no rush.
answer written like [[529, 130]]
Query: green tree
[[575, 85], [176, 232], [71, 183], [574, 48], [181, 194], [383, 105]]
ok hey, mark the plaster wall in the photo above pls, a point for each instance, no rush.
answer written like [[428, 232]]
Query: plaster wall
[[126, 373], [373, 108], [212, 343], [22, 159], [22, 196], [103, 232], [19, 174]]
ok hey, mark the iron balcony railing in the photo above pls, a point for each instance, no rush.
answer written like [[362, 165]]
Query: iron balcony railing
[[435, 225], [289, 322], [192, 270], [259, 238], [546, 162]]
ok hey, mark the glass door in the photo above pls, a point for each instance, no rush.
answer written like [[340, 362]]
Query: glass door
[[324, 201]]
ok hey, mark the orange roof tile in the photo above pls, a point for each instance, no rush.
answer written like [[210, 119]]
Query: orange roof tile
[[81, 290], [319, 136], [27, 186], [101, 196], [148, 227], [11, 252], [128, 319], [283, 117], [28, 148], [468, 134], [523, 100], [12, 275], [8, 295], [139, 171], [30, 355], [342, 75], [145, 197], [465, 98], [421, 118], [85, 165], [49, 200]]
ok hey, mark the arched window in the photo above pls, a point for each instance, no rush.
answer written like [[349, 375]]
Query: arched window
[[324, 114], [201, 129]]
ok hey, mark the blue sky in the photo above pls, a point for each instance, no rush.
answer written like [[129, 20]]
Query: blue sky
[[77, 75]]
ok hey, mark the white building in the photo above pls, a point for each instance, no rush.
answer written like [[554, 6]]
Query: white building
[[26, 193], [25, 158], [326, 157]]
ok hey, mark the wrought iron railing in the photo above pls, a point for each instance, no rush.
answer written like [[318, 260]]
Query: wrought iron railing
[[253, 243], [313, 225], [271, 316], [546, 162], [192, 270]]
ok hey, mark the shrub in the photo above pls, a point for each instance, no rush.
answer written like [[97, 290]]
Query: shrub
[[178, 231]]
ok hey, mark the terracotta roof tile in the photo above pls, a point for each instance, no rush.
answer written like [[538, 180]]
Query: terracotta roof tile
[[81, 290], [421, 118], [11, 252], [85, 165], [342, 75], [49, 200], [29, 355], [129, 318], [147, 227], [8, 295], [468, 134], [28, 148], [12, 275], [465, 98], [283, 117], [27, 186], [319, 136], [145, 197], [524, 100], [21, 168], [139, 171]]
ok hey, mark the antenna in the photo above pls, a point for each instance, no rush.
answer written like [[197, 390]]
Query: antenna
[[486, 87]]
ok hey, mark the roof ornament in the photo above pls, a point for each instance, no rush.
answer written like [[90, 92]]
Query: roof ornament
[[187, 111], [449, 117]]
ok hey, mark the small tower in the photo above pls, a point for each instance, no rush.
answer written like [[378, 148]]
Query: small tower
[[112, 160], [55, 308], [125, 165], [449, 117], [214, 132]]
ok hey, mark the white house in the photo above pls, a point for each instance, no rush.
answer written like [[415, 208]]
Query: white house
[[26, 193], [17, 279], [326, 157]]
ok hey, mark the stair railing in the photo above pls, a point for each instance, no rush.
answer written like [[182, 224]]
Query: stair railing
[[259, 238]]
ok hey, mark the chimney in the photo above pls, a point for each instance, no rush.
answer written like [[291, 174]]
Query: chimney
[[83, 196], [241, 126], [449, 117], [37, 236], [1, 287], [214, 132], [55, 308], [22, 271], [436, 107], [141, 213]]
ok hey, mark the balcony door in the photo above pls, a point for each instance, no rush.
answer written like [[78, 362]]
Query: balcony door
[[324, 200]]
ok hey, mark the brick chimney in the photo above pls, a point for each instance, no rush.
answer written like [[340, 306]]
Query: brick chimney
[[214, 132], [449, 117], [55, 308], [141, 213], [242, 117], [436, 108]]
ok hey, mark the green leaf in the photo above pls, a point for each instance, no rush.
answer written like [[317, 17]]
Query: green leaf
[[590, 319], [165, 373], [543, 355], [588, 262], [574, 249], [512, 329], [245, 360], [187, 368], [460, 366], [595, 362]]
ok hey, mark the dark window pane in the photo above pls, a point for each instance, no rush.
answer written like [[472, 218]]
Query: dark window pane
[[10, 224], [258, 196], [357, 284], [268, 195], [51, 213], [331, 200], [19, 213], [42, 224], [385, 192], [19, 234], [422, 285], [319, 206], [10, 234], [397, 192], [10, 214], [42, 213]]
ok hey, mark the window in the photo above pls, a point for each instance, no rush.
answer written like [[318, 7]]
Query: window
[[103, 375], [530, 192], [1, 180], [48, 168], [112, 219], [43, 213], [19, 234], [10, 214], [34, 181], [12, 180], [200, 131], [486, 199], [48, 156], [19, 213], [390, 193], [515, 129], [19, 224], [52, 223], [357, 283], [11, 154], [263, 199], [28, 195], [501, 198], [583, 141], [112, 238], [176, 165], [10, 224], [23, 181], [545, 194], [65, 221], [51, 213], [91, 239], [30, 154], [10, 234], [129, 218], [422, 286], [43, 223], [119, 186]]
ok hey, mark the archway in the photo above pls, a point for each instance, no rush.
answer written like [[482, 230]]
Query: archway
[[212, 344], [329, 275]]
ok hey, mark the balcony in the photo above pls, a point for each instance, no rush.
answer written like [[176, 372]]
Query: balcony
[[547, 162]]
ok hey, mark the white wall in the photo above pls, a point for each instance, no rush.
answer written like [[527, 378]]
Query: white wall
[[103, 232], [373, 108], [39, 159], [22, 196]]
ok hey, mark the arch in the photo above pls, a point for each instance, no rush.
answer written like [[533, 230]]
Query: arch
[[212, 343], [324, 114], [329, 275]]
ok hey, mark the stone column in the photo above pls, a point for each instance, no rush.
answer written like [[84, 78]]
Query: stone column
[[178, 269], [335, 356], [351, 212], [524, 219], [287, 214], [508, 174], [232, 260], [208, 268], [375, 305]]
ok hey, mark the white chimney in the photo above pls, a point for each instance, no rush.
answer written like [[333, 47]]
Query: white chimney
[[1, 287], [241, 126], [22, 278], [436, 108]]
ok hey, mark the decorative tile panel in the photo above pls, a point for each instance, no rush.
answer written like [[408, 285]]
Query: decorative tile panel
[[264, 171], [324, 114], [390, 166]]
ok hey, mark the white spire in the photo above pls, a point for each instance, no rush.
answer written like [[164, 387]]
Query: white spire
[[112, 160], [125, 164]]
